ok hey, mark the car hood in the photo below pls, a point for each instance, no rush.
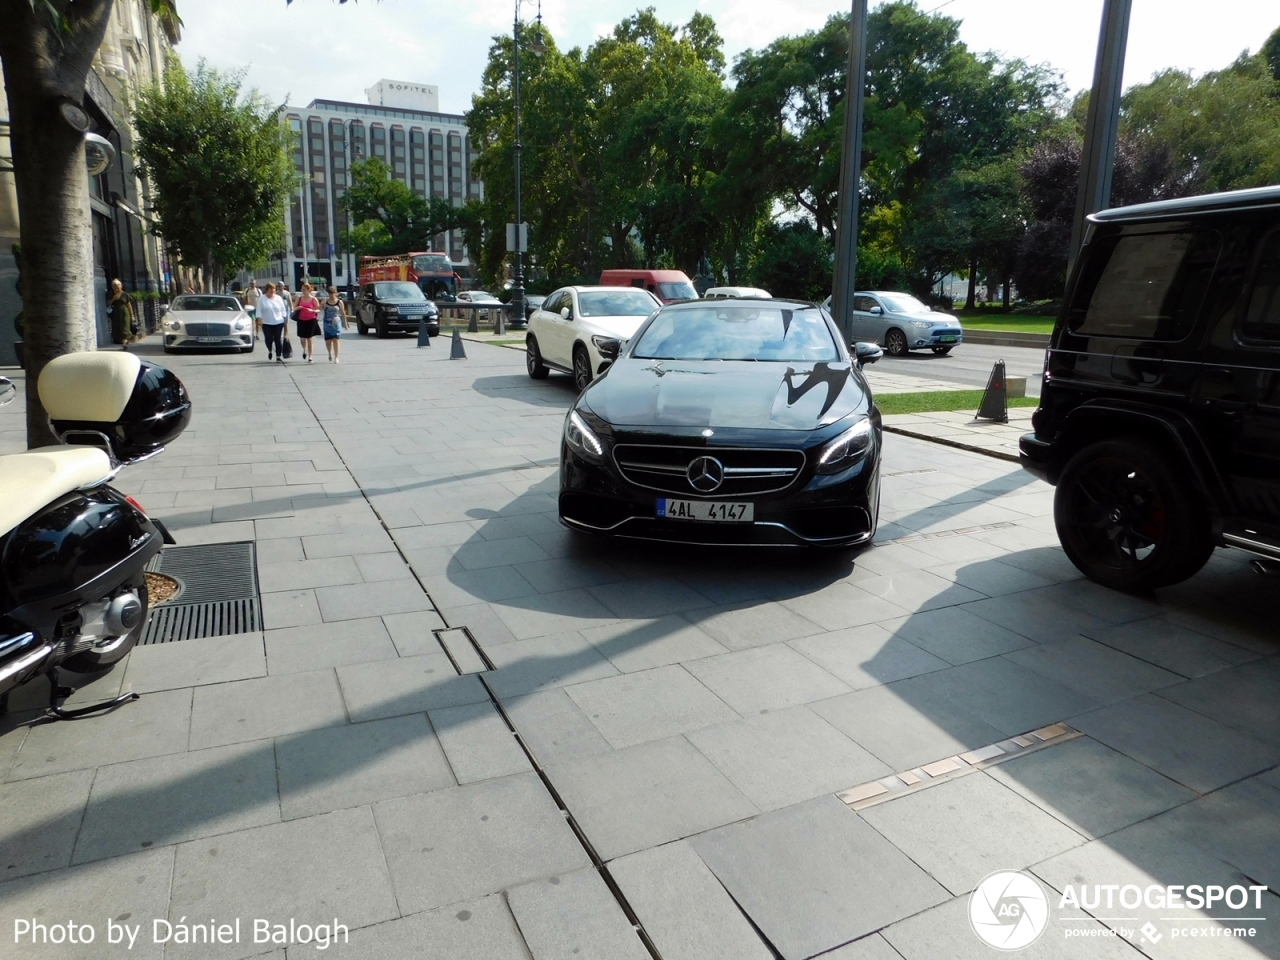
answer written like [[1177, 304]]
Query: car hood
[[621, 327], [799, 395], [930, 316], [204, 316]]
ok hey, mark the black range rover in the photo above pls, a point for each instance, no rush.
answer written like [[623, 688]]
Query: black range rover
[[1159, 420], [387, 305]]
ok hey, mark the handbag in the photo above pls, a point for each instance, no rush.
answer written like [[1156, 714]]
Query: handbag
[[286, 348]]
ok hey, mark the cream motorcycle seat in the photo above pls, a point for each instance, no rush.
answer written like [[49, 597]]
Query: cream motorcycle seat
[[29, 481]]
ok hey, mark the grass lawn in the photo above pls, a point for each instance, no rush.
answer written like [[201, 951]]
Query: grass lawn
[[1005, 323], [940, 400]]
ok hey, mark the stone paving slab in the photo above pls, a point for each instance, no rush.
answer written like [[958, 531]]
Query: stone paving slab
[[694, 710]]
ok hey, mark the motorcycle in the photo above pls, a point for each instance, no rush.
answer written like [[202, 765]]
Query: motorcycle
[[73, 550]]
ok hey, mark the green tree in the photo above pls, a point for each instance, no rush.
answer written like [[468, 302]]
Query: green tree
[[46, 48], [216, 157], [389, 217]]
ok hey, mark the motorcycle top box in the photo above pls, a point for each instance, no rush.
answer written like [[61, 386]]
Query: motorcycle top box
[[135, 406]]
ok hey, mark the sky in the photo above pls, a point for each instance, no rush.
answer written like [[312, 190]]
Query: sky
[[322, 49]]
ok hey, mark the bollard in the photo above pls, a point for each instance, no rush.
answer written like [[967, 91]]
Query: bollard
[[474, 325], [424, 338], [500, 321], [995, 399], [456, 351]]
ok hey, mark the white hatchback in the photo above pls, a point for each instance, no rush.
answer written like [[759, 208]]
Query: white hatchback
[[565, 333]]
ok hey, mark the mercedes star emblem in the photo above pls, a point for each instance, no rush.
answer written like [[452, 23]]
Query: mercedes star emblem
[[705, 474]]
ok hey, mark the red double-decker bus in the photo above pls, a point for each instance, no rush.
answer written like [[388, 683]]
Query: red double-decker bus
[[432, 271]]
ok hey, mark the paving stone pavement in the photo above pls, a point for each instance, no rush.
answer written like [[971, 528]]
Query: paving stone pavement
[[685, 718]]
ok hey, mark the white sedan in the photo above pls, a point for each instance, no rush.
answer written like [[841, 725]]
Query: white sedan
[[207, 321], [566, 331]]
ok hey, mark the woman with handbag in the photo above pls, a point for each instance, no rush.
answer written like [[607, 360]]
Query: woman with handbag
[[335, 321], [274, 314], [308, 314]]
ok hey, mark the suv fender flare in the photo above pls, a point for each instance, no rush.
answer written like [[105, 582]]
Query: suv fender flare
[[1102, 420]]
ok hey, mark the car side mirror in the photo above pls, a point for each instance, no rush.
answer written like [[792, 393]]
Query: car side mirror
[[876, 311], [865, 352], [566, 313], [8, 391], [609, 349]]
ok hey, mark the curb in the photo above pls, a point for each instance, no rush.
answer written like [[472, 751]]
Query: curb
[[1000, 338], [1011, 458]]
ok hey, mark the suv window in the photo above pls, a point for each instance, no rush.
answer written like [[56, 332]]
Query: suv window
[[864, 304], [552, 303], [1145, 286], [1262, 311]]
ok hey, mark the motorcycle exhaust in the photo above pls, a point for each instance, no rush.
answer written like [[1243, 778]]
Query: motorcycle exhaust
[[16, 668]]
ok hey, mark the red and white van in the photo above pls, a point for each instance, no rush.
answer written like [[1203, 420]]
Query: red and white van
[[667, 285]]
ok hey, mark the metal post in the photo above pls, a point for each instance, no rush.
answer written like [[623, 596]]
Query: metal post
[[346, 202], [517, 281], [846, 262], [1097, 158]]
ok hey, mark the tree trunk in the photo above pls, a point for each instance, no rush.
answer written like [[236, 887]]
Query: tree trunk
[[42, 70], [970, 299]]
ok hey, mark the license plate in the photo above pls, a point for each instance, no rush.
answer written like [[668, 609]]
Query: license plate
[[412, 316], [208, 339], [948, 339], [715, 511]]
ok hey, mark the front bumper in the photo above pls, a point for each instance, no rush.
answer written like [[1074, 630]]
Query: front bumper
[[407, 325], [830, 511], [938, 337], [182, 341]]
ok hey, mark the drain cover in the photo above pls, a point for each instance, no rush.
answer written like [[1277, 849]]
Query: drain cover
[[219, 593]]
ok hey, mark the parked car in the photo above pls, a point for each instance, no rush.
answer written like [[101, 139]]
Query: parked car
[[478, 296], [565, 333], [901, 323], [729, 422], [207, 321], [532, 301], [737, 293], [1159, 417], [667, 285], [395, 305]]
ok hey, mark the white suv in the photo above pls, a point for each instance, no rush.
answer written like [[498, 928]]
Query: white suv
[[566, 331]]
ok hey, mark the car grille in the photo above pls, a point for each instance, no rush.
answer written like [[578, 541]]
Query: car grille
[[746, 470], [208, 329]]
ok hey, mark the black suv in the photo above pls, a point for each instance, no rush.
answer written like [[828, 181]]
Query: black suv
[[387, 305], [1159, 420]]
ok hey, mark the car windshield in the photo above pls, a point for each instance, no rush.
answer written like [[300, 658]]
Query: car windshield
[[903, 303], [681, 290], [398, 291], [206, 303], [616, 303], [734, 332]]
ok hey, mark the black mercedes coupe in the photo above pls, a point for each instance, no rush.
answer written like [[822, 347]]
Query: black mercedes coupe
[[727, 422]]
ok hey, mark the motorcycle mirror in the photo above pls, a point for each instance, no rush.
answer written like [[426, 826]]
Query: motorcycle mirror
[[7, 390]]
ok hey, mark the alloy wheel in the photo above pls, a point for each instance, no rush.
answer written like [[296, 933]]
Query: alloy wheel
[[895, 343], [581, 369], [1116, 517]]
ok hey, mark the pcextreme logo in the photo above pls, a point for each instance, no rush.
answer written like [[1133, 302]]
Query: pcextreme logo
[[1008, 910]]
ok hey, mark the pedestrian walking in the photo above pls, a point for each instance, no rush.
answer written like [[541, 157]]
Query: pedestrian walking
[[120, 311], [273, 311], [251, 297], [335, 321], [308, 319]]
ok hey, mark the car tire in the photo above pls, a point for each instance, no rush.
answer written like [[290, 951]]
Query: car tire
[[1128, 519], [581, 368], [895, 343], [942, 351], [361, 328], [533, 359], [382, 330]]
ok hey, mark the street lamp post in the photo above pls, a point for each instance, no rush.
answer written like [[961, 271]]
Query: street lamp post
[[539, 48]]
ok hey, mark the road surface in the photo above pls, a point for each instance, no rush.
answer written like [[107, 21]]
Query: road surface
[[969, 365]]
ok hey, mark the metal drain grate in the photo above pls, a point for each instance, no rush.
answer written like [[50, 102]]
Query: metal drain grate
[[219, 593]]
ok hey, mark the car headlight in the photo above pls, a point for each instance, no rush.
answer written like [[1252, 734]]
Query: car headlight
[[922, 324], [846, 449], [241, 325], [581, 437], [174, 324]]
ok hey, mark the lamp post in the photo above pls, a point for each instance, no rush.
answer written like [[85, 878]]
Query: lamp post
[[538, 48]]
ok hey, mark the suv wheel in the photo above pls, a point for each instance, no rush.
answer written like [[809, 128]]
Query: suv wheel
[[895, 343], [581, 368], [361, 328], [1127, 520], [533, 359]]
